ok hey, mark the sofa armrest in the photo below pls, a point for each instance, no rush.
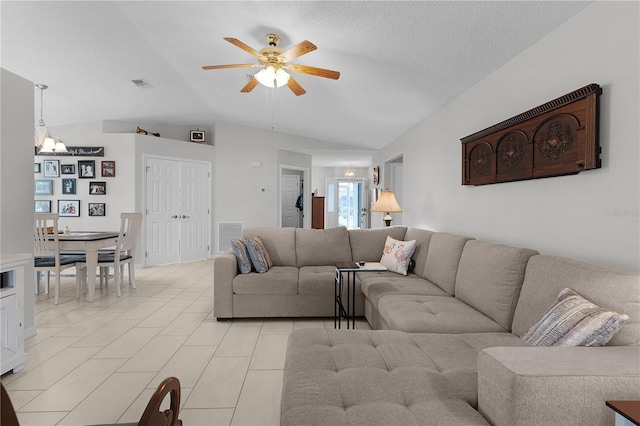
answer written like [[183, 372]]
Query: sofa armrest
[[225, 268], [557, 385]]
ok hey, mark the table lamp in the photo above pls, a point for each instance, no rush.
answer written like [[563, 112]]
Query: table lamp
[[387, 204]]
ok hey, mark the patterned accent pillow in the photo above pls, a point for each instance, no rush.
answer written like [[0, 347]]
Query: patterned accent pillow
[[259, 255], [575, 321], [396, 255], [242, 255]]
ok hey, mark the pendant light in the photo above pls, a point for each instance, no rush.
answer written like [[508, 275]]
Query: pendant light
[[42, 137]]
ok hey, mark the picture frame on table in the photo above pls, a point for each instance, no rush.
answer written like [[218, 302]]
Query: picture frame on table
[[69, 208], [86, 169], [98, 188], [43, 187], [36, 167], [42, 206], [68, 169], [197, 136], [68, 186], [108, 168], [97, 209], [51, 168]]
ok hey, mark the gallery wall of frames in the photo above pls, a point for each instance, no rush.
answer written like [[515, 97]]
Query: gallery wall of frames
[[73, 185]]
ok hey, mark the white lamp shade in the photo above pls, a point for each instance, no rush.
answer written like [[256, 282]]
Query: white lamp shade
[[282, 77], [48, 144], [386, 203], [60, 146], [267, 76]]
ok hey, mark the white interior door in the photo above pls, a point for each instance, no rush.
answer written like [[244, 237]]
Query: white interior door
[[162, 236], [290, 185], [194, 211], [178, 215]]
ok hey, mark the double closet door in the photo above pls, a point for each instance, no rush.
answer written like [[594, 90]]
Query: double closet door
[[178, 214]]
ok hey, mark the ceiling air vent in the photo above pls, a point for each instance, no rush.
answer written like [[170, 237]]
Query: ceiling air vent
[[141, 83]]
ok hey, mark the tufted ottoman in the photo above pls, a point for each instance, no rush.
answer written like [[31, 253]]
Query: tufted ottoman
[[380, 377]]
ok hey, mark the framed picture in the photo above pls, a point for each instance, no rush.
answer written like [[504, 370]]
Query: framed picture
[[108, 169], [96, 209], [51, 168], [36, 167], [69, 208], [68, 169], [68, 186], [376, 175], [197, 135], [86, 169], [98, 188], [42, 206], [43, 187]]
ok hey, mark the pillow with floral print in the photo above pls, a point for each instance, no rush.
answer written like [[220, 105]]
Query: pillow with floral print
[[396, 255]]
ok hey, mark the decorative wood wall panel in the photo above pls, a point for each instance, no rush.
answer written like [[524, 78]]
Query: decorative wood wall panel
[[557, 138]]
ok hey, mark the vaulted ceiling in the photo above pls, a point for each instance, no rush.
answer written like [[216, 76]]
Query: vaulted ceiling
[[399, 61]]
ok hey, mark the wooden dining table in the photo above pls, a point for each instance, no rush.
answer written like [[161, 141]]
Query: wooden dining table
[[90, 242]]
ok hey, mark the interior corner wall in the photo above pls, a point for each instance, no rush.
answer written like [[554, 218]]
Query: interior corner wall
[[16, 177], [592, 216]]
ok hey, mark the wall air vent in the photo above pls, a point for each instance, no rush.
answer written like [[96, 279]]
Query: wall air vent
[[141, 83]]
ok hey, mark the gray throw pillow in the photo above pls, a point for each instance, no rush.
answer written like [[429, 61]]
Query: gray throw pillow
[[574, 321], [242, 255], [259, 255]]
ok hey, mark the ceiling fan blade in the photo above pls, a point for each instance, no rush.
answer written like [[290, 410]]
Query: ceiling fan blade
[[219, 67], [250, 50], [250, 85], [295, 87], [318, 72], [298, 50]]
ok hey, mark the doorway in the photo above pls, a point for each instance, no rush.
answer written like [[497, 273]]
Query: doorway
[[352, 211], [177, 207], [292, 200]]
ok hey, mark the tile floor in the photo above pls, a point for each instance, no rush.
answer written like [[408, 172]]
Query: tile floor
[[99, 362]]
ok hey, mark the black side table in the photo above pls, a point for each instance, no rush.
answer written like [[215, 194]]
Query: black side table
[[348, 310]]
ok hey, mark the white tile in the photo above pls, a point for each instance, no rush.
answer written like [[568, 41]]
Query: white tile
[[89, 325], [308, 323], [239, 341], [187, 364], [129, 343], [220, 383], [42, 333], [162, 317], [277, 326], [185, 324], [69, 391], [206, 417], [110, 400], [209, 332], [143, 310], [46, 349], [154, 355], [107, 333], [259, 402], [270, 352], [20, 398], [40, 419]]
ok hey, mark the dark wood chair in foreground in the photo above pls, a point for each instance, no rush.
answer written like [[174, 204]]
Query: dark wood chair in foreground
[[7, 413]]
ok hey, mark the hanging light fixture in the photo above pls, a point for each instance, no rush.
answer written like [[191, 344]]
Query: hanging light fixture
[[42, 137], [272, 76], [349, 172]]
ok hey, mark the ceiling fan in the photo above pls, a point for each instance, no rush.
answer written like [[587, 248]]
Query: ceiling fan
[[275, 64]]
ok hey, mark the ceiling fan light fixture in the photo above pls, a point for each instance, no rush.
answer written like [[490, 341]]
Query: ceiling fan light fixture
[[282, 77], [272, 76]]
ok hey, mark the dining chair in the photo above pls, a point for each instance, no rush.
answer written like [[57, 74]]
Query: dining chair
[[8, 413], [124, 252], [47, 257]]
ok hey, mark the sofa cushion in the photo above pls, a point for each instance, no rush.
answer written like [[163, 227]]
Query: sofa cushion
[[259, 255], [279, 242], [383, 377], [367, 244], [433, 314], [316, 280], [490, 278], [239, 247], [382, 284], [322, 247], [614, 289], [277, 280], [441, 264], [397, 254], [423, 238], [574, 321]]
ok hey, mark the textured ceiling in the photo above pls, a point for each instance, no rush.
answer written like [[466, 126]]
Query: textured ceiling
[[399, 61]]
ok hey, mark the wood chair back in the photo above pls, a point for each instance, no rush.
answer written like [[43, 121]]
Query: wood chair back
[[152, 415], [8, 415]]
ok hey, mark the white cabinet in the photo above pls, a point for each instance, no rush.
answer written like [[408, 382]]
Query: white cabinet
[[12, 356]]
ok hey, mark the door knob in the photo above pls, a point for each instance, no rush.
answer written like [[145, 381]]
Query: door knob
[[175, 216], [185, 217]]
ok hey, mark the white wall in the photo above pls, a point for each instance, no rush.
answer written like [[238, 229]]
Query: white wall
[[16, 177], [591, 216]]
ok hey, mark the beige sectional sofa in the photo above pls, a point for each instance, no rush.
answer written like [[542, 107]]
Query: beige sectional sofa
[[446, 346]]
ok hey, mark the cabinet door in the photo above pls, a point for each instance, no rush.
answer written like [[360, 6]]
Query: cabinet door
[[9, 326]]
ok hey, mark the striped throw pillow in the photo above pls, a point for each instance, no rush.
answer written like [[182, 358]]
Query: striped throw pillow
[[242, 255], [259, 255], [575, 321]]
